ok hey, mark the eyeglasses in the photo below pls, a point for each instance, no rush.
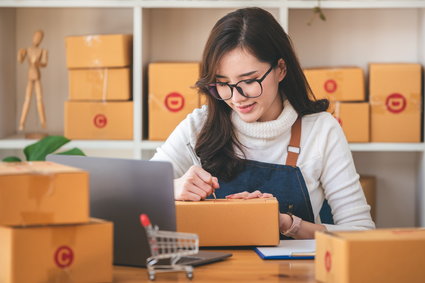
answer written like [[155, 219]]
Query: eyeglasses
[[250, 88]]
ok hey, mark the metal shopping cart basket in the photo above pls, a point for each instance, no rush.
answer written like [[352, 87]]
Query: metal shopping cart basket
[[168, 245]]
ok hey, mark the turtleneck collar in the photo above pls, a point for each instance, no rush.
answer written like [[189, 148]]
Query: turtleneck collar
[[268, 129]]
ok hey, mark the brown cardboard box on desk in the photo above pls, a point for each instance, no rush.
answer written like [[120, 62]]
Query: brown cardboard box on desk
[[171, 96], [103, 84], [383, 255], [225, 222], [98, 51], [57, 253], [99, 120], [42, 193], [396, 102], [337, 84]]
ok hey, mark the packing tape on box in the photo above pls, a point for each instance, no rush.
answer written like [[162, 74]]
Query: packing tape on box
[[43, 186], [63, 240], [396, 103], [95, 76], [91, 40], [105, 84], [161, 105], [337, 110]]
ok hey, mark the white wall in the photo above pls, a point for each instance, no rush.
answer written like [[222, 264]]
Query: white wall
[[355, 36], [180, 34]]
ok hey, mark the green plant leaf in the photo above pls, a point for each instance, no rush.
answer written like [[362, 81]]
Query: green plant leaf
[[11, 159], [73, 151], [39, 150], [322, 16], [316, 10]]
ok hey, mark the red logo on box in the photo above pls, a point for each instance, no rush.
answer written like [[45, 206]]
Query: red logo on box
[[330, 86], [64, 256], [396, 103], [100, 121], [174, 101], [328, 261]]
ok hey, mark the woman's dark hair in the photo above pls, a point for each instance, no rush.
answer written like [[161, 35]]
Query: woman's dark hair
[[256, 31]]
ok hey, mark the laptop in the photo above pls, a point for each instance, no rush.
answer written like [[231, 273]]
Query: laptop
[[121, 190]]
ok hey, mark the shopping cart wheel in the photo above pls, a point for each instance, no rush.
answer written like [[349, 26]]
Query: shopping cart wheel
[[151, 276], [189, 275]]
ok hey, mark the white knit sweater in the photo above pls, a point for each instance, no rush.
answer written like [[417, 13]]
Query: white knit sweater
[[325, 159]]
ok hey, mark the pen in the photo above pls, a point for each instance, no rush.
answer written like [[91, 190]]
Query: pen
[[196, 160]]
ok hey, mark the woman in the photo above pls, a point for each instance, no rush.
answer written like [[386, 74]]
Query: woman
[[263, 134]]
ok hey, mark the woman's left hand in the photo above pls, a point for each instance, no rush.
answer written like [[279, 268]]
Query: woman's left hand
[[247, 195]]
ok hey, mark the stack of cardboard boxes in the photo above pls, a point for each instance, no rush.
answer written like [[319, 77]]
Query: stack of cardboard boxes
[[394, 110], [345, 89], [99, 105], [45, 231], [172, 96], [394, 102]]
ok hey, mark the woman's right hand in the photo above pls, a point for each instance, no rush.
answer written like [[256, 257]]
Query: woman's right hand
[[195, 184]]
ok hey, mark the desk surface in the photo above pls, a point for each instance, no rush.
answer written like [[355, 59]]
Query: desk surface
[[243, 266]]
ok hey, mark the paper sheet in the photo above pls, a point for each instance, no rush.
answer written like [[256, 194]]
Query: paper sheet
[[289, 249]]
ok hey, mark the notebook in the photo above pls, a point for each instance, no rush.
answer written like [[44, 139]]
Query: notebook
[[289, 249]]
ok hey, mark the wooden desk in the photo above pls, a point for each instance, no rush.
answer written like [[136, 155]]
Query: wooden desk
[[243, 266]]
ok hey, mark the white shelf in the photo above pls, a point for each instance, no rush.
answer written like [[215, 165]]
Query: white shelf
[[138, 3], [295, 4], [68, 4], [17, 142], [347, 4], [396, 147], [150, 145]]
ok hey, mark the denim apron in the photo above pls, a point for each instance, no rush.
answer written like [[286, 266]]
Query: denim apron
[[285, 182]]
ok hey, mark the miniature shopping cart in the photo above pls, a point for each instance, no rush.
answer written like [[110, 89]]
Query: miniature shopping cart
[[168, 245]]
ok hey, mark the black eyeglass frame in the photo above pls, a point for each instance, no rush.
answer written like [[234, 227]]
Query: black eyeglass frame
[[240, 90]]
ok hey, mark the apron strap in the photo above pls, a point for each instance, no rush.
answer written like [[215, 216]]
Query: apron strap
[[294, 144]]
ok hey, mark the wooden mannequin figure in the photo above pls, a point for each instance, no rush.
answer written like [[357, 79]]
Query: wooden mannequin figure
[[37, 57]]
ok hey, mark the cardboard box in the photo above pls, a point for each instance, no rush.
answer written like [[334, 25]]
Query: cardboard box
[[99, 120], [337, 84], [57, 253], [171, 96], [396, 102], [368, 184], [225, 222], [104, 84], [386, 255], [42, 192], [354, 118], [98, 51]]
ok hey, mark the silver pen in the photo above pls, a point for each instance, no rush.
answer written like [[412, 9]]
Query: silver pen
[[196, 160]]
